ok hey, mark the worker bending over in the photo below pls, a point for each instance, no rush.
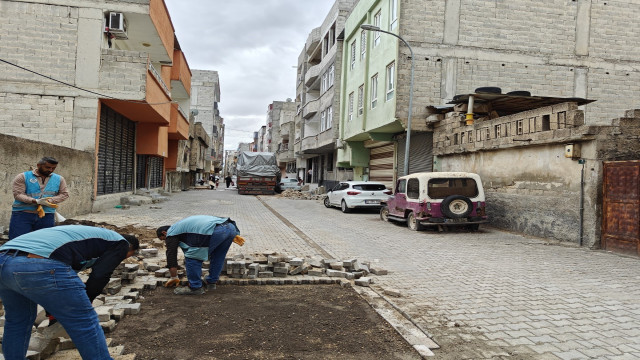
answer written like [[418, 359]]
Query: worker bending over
[[40, 268], [200, 237]]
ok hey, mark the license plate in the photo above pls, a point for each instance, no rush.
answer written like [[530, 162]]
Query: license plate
[[457, 220], [372, 202]]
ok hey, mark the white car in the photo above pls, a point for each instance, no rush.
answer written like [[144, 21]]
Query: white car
[[357, 194], [289, 183]]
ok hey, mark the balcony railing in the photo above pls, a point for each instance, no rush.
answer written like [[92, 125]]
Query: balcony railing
[[158, 78]]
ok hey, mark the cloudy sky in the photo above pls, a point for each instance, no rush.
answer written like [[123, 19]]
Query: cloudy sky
[[254, 46]]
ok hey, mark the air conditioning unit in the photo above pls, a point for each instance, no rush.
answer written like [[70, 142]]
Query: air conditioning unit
[[116, 25]]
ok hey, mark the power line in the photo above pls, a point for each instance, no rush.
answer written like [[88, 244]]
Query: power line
[[77, 87]]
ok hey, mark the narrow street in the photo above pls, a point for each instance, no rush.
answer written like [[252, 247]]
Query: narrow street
[[479, 295]]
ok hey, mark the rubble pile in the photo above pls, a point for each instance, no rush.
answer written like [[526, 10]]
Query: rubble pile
[[300, 195]]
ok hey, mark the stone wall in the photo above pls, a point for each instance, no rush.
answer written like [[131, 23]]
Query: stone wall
[[531, 185], [77, 167]]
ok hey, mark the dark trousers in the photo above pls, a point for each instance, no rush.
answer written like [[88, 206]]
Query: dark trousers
[[23, 222]]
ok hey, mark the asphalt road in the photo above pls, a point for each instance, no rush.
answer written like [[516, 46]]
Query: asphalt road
[[488, 294]]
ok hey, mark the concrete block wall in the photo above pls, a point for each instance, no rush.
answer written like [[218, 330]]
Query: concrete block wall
[[123, 71], [77, 167], [614, 30]]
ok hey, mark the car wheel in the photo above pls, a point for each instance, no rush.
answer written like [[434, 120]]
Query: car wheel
[[344, 208], [384, 213], [413, 223], [327, 203], [456, 206]]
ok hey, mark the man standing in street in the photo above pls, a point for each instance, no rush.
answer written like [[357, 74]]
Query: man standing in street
[[40, 268], [36, 195], [200, 237]]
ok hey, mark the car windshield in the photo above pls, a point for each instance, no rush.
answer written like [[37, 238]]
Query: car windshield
[[443, 187], [369, 187]]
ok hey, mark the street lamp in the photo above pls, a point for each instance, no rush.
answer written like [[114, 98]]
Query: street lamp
[[406, 150]]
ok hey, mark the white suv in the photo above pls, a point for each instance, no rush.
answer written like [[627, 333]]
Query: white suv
[[357, 194]]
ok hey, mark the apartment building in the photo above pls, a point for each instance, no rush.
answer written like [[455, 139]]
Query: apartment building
[[318, 93], [122, 88], [556, 48], [280, 130], [205, 99]]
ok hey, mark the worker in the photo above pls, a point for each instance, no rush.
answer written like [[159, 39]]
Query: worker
[[200, 237], [36, 195], [38, 268]]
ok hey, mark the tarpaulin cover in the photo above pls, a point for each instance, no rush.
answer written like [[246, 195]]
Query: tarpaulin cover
[[257, 164]]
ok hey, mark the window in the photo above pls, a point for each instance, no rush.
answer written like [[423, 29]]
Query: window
[[470, 135], [363, 44], [353, 55], [519, 128], [350, 110], [374, 91], [377, 21], [487, 133], [361, 99], [329, 117], [440, 188], [323, 83], [402, 186], [332, 75], [323, 119], [391, 74], [413, 189], [393, 14]]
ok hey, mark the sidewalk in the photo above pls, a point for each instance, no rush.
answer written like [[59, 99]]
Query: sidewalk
[[478, 295]]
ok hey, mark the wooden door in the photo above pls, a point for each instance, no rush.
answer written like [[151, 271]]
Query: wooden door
[[621, 207]]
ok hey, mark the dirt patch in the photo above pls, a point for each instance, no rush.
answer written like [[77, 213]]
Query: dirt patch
[[260, 322]]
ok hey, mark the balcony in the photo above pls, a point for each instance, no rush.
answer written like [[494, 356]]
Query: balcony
[[149, 28], [312, 74], [286, 130], [311, 108], [313, 40], [180, 76], [179, 124]]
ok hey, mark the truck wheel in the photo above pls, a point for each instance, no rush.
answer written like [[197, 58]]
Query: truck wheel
[[384, 213], [327, 203], [413, 223], [456, 206], [345, 209]]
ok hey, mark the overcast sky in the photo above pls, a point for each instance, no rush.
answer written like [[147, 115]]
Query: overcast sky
[[254, 46]]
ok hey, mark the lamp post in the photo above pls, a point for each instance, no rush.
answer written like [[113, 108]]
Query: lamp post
[[406, 151]]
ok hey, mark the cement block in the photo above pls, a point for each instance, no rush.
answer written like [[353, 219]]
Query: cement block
[[108, 326], [363, 281], [131, 267], [296, 262], [129, 309], [265, 274]]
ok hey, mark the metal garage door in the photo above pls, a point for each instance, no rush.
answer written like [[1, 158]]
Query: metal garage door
[[115, 152], [150, 171], [621, 207], [381, 164], [420, 153]]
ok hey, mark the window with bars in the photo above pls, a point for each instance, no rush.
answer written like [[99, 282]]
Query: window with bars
[[377, 22], [353, 55], [363, 44], [350, 110], [361, 100]]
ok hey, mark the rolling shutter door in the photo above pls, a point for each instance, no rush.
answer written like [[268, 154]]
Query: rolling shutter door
[[381, 165], [420, 153], [150, 171], [115, 152]]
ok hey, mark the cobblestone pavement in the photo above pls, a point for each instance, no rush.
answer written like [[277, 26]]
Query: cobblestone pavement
[[517, 296]]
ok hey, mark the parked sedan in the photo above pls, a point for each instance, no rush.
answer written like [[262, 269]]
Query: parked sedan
[[289, 183], [357, 194]]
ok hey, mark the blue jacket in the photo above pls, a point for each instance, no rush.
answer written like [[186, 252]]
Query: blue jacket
[[193, 235], [32, 188], [79, 247]]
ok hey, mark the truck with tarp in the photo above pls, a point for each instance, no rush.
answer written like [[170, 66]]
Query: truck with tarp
[[257, 173]]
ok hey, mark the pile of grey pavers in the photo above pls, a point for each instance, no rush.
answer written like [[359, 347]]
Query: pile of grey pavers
[[120, 296]]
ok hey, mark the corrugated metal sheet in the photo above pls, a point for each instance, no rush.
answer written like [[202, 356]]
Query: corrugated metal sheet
[[381, 164], [420, 153], [116, 146]]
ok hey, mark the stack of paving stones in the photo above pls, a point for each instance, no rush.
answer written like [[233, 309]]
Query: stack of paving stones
[[149, 270], [300, 195]]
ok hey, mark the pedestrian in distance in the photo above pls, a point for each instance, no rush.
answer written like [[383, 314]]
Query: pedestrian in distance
[[227, 180], [36, 194], [40, 268], [200, 237]]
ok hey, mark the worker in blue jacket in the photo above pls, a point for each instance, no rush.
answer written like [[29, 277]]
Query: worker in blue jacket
[[40, 268], [200, 237]]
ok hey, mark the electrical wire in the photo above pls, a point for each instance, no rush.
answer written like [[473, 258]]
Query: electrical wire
[[79, 88]]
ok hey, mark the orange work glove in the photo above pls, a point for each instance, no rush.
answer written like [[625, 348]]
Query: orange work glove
[[238, 240], [45, 202], [40, 211], [173, 282]]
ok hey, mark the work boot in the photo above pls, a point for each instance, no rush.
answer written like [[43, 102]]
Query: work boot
[[209, 286], [188, 291]]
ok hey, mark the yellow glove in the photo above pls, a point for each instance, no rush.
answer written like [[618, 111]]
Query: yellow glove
[[45, 202], [40, 211], [238, 240], [173, 282]]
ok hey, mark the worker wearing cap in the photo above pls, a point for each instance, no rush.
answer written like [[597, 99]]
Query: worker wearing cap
[[36, 195], [40, 268], [200, 237]]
